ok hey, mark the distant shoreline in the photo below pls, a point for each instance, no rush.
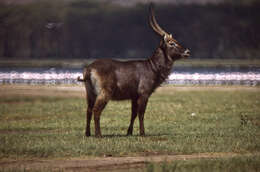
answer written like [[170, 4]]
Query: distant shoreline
[[80, 63]]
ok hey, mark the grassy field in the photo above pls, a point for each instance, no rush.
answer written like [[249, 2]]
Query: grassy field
[[48, 122], [237, 164]]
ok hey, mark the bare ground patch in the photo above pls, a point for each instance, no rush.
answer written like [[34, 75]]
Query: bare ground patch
[[167, 88], [41, 90], [108, 163], [79, 91]]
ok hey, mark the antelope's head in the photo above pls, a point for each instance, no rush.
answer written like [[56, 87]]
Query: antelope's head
[[169, 45]]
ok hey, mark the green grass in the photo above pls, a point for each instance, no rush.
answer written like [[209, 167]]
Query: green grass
[[52, 126], [238, 164]]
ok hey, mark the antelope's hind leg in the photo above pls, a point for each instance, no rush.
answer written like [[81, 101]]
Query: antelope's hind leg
[[91, 99], [99, 106], [89, 116]]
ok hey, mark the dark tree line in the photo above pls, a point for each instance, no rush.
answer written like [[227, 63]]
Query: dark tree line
[[86, 29]]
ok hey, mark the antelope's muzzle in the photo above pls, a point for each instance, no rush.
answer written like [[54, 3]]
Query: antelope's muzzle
[[186, 53]]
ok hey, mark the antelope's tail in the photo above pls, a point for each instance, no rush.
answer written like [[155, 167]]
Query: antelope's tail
[[80, 80], [86, 74]]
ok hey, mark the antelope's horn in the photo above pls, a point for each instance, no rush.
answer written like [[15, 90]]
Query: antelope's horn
[[154, 24]]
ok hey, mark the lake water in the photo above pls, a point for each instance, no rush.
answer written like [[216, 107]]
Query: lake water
[[180, 76]]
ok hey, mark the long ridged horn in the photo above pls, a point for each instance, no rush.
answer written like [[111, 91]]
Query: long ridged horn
[[154, 24]]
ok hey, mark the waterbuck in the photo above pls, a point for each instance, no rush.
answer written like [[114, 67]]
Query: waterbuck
[[135, 80]]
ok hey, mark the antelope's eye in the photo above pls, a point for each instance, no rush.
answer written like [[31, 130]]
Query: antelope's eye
[[172, 43]]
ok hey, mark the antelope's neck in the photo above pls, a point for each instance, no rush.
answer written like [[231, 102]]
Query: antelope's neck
[[160, 64]]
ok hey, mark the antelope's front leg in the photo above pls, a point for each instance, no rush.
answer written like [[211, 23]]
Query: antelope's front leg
[[142, 102], [133, 116]]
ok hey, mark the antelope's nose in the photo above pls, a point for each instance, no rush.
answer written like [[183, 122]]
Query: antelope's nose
[[187, 53]]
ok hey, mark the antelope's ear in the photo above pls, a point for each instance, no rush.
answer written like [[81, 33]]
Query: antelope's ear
[[165, 38]]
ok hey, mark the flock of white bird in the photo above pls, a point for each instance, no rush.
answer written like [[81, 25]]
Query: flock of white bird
[[69, 77]]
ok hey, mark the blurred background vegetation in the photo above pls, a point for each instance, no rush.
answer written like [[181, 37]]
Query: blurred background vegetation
[[43, 29]]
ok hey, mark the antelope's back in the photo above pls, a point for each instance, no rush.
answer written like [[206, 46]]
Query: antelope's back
[[119, 79]]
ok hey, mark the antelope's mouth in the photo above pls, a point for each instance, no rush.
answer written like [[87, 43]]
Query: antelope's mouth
[[186, 53]]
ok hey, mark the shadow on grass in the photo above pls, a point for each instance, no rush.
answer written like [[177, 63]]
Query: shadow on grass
[[129, 136]]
